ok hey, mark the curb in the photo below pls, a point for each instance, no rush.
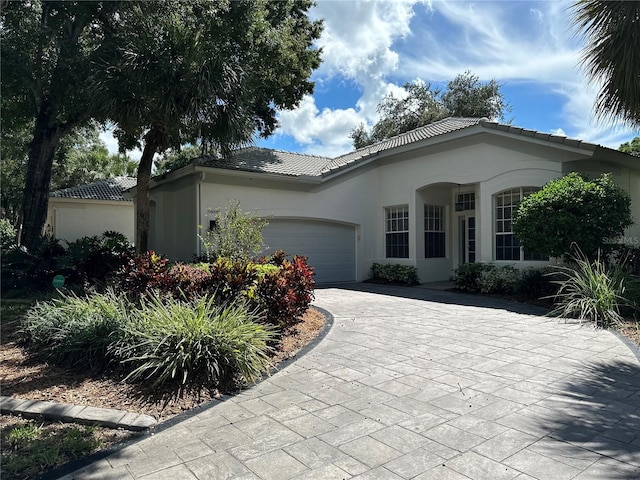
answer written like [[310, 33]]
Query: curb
[[64, 412]]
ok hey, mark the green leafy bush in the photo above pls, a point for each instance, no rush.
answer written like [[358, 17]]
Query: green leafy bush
[[7, 234], [236, 234], [32, 270], [182, 346], [536, 283], [590, 291], [500, 279], [467, 276], [394, 274], [75, 331], [571, 210]]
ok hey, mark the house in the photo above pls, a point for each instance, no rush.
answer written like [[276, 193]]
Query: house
[[435, 198], [92, 209]]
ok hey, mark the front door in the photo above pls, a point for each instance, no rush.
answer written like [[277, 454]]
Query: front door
[[467, 239]]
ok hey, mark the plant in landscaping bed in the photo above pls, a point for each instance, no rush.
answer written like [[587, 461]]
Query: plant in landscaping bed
[[181, 346], [395, 274], [29, 448], [147, 271], [589, 291], [501, 279], [235, 234], [75, 331], [573, 209], [467, 276], [286, 293]]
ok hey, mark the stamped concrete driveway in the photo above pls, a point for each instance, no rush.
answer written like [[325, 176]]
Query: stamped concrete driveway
[[413, 383]]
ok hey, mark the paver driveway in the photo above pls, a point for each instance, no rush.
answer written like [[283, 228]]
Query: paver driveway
[[439, 386]]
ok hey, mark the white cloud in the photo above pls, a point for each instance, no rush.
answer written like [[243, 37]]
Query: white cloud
[[558, 131]]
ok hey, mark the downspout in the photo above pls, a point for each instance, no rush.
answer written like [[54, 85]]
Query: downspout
[[199, 214]]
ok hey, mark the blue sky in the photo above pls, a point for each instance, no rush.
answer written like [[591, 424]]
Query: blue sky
[[371, 48]]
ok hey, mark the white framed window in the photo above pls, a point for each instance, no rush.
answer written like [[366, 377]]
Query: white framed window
[[397, 231], [434, 232], [465, 201], [507, 246]]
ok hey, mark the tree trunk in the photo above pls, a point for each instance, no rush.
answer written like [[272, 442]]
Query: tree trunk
[[36, 191], [151, 144]]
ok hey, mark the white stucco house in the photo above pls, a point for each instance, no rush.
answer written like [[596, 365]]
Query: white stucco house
[[436, 197], [91, 209]]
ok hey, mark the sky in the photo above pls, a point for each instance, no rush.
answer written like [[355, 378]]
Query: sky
[[371, 48]]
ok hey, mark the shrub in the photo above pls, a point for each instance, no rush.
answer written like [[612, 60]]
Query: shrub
[[236, 234], [7, 234], [467, 276], [501, 279], [190, 346], [571, 210], [589, 291], [284, 294], [147, 271], [280, 289], [75, 331], [94, 259], [536, 283], [395, 274], [35, 269]]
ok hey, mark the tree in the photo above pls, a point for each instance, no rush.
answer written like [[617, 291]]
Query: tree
[[611, 55], [48, 53], [632, 147], [81, 157], [421, 105], [213, 72], [174, 159], [572, 209]]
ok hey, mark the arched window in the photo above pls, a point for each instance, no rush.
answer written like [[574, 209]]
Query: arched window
[[507, 245]]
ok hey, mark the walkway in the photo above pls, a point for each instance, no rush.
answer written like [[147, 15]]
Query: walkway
[[439, 386]]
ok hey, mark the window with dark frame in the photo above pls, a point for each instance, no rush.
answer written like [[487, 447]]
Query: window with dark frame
[[397, 231], [434, 232]]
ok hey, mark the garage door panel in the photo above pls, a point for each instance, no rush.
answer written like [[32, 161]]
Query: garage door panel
[[330, 247]]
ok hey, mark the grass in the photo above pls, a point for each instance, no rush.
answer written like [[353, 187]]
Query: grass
[[30, 447]]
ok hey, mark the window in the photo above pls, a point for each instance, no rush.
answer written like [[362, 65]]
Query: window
[[434, 232], [507, 244], [465, 201], [397, 231]]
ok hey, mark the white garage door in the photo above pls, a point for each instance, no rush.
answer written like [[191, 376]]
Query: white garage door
[[330, 247]]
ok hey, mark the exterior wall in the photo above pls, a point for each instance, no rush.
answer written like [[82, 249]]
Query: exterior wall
[[627, 178], [175, 232], [69, 219], [484, 164]]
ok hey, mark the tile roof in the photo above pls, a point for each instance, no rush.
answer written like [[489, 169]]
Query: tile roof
[[265, 160], [108, 189], [435, 129]]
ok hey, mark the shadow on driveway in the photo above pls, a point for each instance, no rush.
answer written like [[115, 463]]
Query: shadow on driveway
[[439, 296]]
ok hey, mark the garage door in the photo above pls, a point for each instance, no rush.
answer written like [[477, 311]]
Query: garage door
[[330, 247]]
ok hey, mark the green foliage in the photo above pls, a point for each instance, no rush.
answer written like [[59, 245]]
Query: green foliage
[[179, 346], [421, 105], [279, 289], [632, 147], [610, 57], [395, 274], [34, 269], [7, 234], [176, 158], [495, 279], [75, 331], [571, 210], [30, 448], [589, 291], [237, 234]]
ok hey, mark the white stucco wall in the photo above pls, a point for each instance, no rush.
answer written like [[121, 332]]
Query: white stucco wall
[[485, 164], [69, 219]]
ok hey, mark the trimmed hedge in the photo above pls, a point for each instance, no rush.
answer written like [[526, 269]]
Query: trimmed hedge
[[394, 274]]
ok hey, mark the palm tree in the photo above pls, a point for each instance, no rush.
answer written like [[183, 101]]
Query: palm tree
[[612, 55], [205, 71]]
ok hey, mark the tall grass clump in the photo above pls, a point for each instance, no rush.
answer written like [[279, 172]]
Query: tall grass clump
[[75, 331], [590, 291], [179, 346]]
